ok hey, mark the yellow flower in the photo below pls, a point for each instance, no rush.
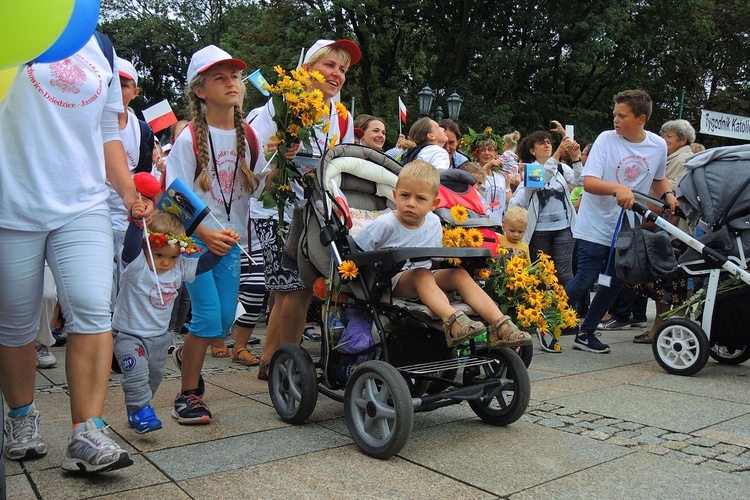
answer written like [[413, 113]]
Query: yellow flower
[[474, 238], [483, 273], [501, 250], [293, 130], [317, 76], [451, 238], [280, 71], [459, 213], [348, 270], [454, 262], [341, 110], [334, 140], [487, 130], [326, 127]]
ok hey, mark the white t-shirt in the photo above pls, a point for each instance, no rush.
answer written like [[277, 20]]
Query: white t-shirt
[[435, 156], [495, 197], [131, 141], [226, 190], [138, 307], [51, 146], [387, 232], [261, 119], [614, 159]]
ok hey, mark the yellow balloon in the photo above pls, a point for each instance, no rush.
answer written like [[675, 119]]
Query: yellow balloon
[[28, 28], [6, 80]]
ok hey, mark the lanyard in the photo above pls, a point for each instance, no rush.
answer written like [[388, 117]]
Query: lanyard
[[227, 205], [614, 239]]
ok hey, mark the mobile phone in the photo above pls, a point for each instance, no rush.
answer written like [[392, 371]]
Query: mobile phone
[[569, 131]]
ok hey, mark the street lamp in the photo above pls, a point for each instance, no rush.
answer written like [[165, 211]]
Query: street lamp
[[439, 113], [426, 96], [454, 106]]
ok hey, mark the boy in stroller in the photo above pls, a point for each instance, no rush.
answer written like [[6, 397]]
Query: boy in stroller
[[413, 224]]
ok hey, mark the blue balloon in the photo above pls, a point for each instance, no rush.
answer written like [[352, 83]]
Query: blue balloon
[[75, 35]]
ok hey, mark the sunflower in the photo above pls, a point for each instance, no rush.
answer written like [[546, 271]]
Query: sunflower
[[348, 270], [342, 111], [459, 213], [334, 140], [474, 238], [483, 273]]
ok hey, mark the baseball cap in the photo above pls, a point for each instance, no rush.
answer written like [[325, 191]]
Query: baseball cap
[[208, 57], [347, 45], [126, 70]]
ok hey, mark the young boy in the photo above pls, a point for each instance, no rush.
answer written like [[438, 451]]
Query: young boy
[[413, 224], [624, 159], [514, 226], [143, 309]]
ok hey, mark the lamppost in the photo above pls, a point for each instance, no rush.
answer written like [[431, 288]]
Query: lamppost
[[426, 98]]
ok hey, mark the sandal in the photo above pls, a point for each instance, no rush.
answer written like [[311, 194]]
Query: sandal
[[511, 336], [244, 357], [459, 328], [263, 369], [644, 338], [219, 351]]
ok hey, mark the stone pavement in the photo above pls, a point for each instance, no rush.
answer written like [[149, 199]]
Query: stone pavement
[[598, 426]]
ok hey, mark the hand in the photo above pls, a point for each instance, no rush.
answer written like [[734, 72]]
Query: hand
[[558, 128], [564, 146], [232, 234], [624, 196], [138, 208], [219, 242], [671, 199], [492, 165], [575, 151], [401, 139]]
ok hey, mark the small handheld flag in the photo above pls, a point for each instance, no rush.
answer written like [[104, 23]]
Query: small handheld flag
[[401, 110], [160, 116], [180, 200], [258, 82]]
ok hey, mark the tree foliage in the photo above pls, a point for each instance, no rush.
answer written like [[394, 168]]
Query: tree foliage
[[516, 64]]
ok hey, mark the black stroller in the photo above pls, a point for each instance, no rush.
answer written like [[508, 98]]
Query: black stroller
[[714, 195], [404, 365]]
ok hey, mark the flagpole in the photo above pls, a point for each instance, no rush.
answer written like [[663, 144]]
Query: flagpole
[[151, 258], [252, 261]]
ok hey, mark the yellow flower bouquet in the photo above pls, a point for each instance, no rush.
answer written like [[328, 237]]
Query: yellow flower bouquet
[[530, 294]]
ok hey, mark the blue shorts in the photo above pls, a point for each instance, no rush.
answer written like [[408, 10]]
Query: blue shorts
[[80, 256]]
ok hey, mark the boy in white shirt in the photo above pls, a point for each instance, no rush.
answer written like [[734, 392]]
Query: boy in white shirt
[[413, 224], [621, 160]]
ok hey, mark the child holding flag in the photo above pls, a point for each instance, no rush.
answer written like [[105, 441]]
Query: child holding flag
[[221, 175], [143, 307]]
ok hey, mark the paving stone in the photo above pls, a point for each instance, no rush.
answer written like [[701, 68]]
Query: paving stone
[[608, 421], [542, 414], [567, 411], [647, 439], [691, 459], [740, 460], [652, 431], [548, 407], [589, 417], [675, 445], [700, 451], [586, 425], [651, 448], [702, 441], [627, 434], [551, 422], [569, 420], [530, 418], [621, 441], [595, 434], [608, 429], [628, 426], [574, 429], [729, 448], [722, 466], [676, 436]]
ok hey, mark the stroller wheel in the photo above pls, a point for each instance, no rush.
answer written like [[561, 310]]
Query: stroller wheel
[[292, 384], [680, 346], [378, 409], [730, 356], [526, 353], [505, 404]]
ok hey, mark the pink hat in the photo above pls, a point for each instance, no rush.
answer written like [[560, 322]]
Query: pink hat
[[208, 57], [126, 70], [347, 45]]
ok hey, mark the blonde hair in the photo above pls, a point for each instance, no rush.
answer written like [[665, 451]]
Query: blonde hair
[[510, 141], [327, 51], [516, 214], [472, 167], [198, 115], [418, 133], [422, 172], [166, 223]]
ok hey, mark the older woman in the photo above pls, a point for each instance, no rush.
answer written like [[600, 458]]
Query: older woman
[[679, 135]]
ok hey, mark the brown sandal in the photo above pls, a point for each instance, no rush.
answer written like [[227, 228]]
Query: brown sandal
[[244, 357], [219, 351], [511, 336], [459, 328]]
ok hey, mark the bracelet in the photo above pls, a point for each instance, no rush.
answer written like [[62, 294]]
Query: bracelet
[[664, 195]]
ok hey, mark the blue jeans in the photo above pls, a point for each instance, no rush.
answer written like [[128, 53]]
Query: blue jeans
[[592, 259]]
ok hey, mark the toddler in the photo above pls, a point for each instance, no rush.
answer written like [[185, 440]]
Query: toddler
[[514, 227]]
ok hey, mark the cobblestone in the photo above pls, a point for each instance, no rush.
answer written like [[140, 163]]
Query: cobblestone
[[648, 439], [702, 441], [627, 434], [729, 448], [722, 466], [675, 445], [627, 426], [621, 441], [740, 460], [700, 451], [676, 437], [691, 459], [567, 411], [551, 422], [608, 421], [599, 436]]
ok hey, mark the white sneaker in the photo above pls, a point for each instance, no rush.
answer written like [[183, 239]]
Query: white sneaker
[[92, 450], [21, 436], [44, 358], [177, 341]]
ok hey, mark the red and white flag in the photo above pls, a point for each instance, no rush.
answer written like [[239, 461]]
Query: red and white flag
[[160, 116], [402, 110]]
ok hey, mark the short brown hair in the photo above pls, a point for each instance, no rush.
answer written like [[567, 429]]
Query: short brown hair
[[166, 223], [422, 172], [639, 101]]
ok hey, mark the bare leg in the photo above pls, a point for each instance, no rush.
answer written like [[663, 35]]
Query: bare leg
[[17, 366], [242, 336], [193, 355], [460, 281], [422, 283], [87, 366], [286, 321]]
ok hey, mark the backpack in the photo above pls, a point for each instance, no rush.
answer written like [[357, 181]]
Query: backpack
[[250, 136], [147, 135]]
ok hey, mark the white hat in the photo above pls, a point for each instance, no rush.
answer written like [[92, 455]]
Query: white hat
[[347, 45], [209, 56], [127, 70]]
